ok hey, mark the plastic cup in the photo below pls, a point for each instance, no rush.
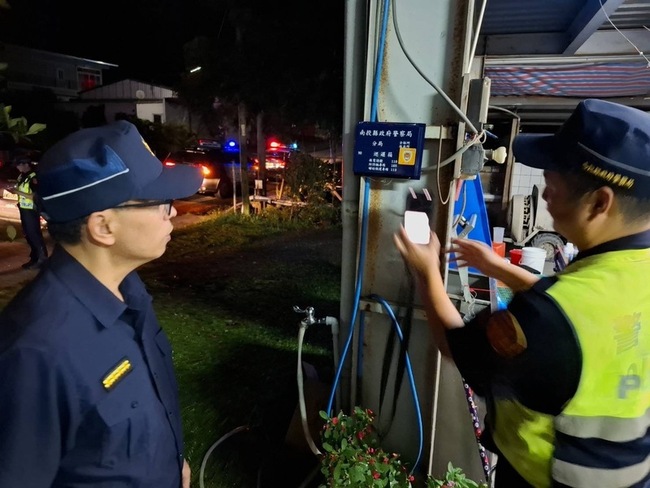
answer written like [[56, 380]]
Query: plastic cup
[[499, 248], [515, 256], [497, 234], [533, 257]]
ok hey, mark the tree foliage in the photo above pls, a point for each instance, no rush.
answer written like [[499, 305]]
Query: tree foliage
[[285, 60]]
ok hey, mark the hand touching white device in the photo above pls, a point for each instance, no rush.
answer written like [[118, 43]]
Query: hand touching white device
[[417, 228]]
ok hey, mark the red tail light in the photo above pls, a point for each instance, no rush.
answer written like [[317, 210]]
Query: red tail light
[[205, 170], [169, 163]]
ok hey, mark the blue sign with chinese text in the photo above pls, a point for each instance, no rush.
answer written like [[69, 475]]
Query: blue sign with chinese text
[[388, 149]]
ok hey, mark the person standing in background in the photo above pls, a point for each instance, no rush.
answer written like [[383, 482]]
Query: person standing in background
[[30, 218], [88, 394]]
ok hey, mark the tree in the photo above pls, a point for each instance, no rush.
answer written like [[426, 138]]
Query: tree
[[268, 60], [18, 127]]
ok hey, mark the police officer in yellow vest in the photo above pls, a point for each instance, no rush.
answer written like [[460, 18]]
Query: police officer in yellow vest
[[30, 218], [565, 369]]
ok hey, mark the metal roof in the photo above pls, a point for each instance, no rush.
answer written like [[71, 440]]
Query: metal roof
[[559, 27], [544, 56]]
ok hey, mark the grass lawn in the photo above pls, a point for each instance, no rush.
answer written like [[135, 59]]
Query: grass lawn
[[224, 292]]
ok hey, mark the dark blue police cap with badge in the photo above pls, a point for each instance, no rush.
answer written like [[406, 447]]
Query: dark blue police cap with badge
[[604, 139], [98, 168]]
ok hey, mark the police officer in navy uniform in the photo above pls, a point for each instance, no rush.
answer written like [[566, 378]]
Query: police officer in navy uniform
[[30, 217], [88, 396], [565, 369]]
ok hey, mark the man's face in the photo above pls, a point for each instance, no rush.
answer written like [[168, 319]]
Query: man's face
[[23, 167], [564, 207], [142, 233]]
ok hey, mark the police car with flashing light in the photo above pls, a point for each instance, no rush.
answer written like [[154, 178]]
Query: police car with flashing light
[[219, 163]]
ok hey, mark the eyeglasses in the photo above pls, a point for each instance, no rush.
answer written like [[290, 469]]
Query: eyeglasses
[[166, 204]]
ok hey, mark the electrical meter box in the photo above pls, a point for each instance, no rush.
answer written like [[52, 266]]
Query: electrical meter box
[[388, 149]]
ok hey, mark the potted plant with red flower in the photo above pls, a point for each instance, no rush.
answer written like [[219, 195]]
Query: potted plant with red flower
[[353, 458]]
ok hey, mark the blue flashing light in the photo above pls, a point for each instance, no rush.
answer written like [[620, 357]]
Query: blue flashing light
[[293, 146], [231, 146]]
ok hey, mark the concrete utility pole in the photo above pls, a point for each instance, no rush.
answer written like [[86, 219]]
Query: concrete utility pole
[[437, 38], [261, 151], [243, 158]]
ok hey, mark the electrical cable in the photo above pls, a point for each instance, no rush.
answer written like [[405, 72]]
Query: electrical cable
[[477, 31], [362, 331], [409, 371], [433, 84], [514, 115], [364, 216], [357, 294], [444, 201], [476, 138], [380, 62], [602, 7]]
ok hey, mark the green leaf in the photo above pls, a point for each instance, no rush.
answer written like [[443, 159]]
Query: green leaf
[[35, 129]]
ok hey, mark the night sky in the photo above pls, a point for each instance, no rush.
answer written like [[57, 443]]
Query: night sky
[[144, 37]]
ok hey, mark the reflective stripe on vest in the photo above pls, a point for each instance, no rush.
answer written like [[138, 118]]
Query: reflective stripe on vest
[[602, 432], [601, 436], [25, 187], [590, 477]]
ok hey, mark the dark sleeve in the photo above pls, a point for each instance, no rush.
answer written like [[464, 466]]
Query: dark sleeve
[[528, 351], [30, 432]]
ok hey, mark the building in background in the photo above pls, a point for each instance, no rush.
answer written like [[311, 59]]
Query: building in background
[[78, 85], [65, 76]]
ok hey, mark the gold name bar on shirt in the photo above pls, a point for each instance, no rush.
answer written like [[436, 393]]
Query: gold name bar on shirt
[[119, 372]]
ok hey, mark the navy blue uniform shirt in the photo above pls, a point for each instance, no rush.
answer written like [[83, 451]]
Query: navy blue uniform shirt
[[88, 396]]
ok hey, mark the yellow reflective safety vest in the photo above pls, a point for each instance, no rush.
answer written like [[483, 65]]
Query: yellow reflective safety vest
[[600, 439], [25, 187]]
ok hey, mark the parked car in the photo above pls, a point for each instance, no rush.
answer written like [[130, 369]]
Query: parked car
[[221, 169]]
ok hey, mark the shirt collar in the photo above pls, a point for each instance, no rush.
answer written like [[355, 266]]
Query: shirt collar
[[98, 299], [634, 241]]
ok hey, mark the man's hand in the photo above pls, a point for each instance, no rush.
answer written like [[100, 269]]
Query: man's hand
[[423, 259], [475, 254], [481, 256], [186, 474]]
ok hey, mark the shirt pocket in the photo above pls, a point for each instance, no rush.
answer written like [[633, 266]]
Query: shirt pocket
[[127, 427]]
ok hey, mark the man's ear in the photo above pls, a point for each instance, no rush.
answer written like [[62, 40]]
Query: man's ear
[[99, 228], [601, 202]]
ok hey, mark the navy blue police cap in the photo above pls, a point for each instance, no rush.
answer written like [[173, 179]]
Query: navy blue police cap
[[100, 167], [604, 139]]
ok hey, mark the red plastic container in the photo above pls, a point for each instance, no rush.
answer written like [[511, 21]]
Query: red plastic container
[[515, 256]]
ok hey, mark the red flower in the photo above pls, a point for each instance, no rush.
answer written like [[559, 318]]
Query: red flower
[[376, 475], [335, 420]]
